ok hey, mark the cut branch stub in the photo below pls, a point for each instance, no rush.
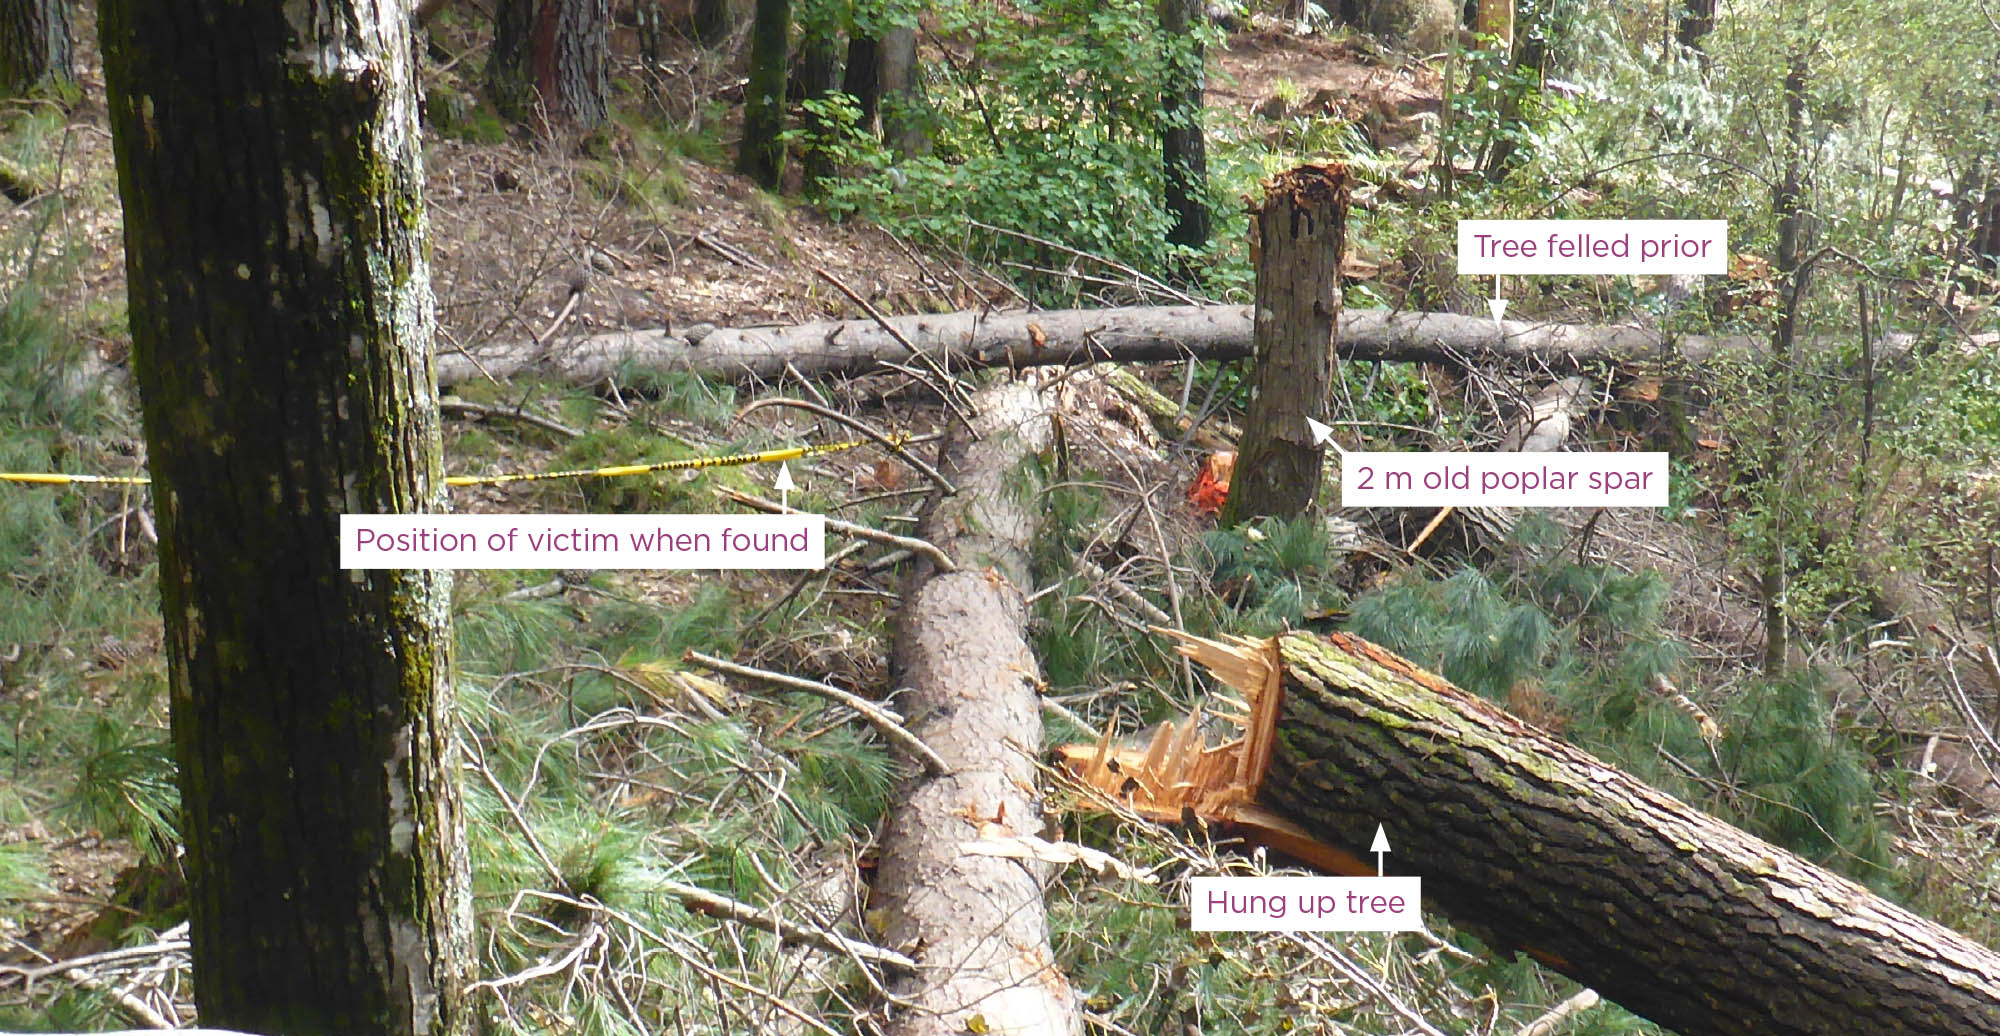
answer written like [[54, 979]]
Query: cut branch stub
[[1670, 912]]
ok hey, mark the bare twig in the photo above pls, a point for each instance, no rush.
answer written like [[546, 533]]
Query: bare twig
[[887, 723], [727, 909], [730, 252], [859, 532], [886, 442], [1547, 1023], [482, 411]]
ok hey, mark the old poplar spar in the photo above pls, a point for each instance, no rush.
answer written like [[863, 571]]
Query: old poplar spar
[[1668, 911]]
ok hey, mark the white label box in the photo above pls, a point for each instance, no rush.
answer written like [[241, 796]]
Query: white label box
[[658, 541], [1503, 480], [1593, 246], [1305, 904]]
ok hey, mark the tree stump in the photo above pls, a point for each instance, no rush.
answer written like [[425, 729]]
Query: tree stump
[[1297, 240]]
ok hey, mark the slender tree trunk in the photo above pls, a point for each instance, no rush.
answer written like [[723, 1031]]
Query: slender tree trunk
[[863, 78], [548, 60], [816, 77], [1496, 18], [270, 168], [34, 44], [1300, 234], [1183, 136], [903, 118], [1789, 206], [761, 156]]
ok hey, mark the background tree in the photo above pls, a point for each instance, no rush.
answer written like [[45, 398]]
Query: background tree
[[34, 44], [282, 317], [761, 155], [1183, 137], [551, 53]]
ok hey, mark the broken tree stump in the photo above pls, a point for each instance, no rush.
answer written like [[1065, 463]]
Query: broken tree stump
[[1672, 913]]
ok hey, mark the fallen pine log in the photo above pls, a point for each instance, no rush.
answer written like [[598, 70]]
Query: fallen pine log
[[974, 920], [977, 339], [1672, 913]]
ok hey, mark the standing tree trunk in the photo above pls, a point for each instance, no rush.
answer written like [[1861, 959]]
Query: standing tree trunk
[[862, 79], [815, 77], [1300, 234], [270, 168], [1693, 23], [761, 156], [901, 83], [34, 44], [548, 61], [711, 22], [1496, 19], [1183, 143], [1788, 204]]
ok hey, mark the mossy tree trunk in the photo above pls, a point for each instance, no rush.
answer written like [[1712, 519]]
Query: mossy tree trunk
[[1183, 137], [548, 61], [1300, 234], [761, 156], [270, 168], [1794, 276], [34, 44], [1675, 915]]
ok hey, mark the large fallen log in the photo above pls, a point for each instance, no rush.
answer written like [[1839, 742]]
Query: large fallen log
[[974, 922], [1670, 912], [974, 339]]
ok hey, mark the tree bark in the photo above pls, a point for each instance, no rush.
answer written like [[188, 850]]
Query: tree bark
[[976, 921], [902, 92], [1672, 913], [1067, 337], [711, 22], [1300, 234], [548, 60], [1183, 137], [1693, 23], [761, 155], [862, 79], [270, 169], [34, 44]]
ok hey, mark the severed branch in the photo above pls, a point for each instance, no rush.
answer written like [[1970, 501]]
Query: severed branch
[[887, 723], [859, 532]]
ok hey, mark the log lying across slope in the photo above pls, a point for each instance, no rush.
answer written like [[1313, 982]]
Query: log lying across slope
[[975, 923], [970, 339], [1672, 913]]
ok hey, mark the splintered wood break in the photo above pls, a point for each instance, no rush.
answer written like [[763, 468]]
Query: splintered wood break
[[1179, 776]]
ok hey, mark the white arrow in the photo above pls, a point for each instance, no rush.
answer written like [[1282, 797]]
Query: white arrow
[[1379, 846], [1497, 304], [784, 485], [1323, 436]]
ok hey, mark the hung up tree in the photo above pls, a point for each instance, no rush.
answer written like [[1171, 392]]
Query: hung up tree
[[269, 161], [1300, 232], [1545, 850]]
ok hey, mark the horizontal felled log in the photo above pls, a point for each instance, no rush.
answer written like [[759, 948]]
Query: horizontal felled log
[[970, 339]]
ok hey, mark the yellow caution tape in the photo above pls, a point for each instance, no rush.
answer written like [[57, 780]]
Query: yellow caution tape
[[616, 471]]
